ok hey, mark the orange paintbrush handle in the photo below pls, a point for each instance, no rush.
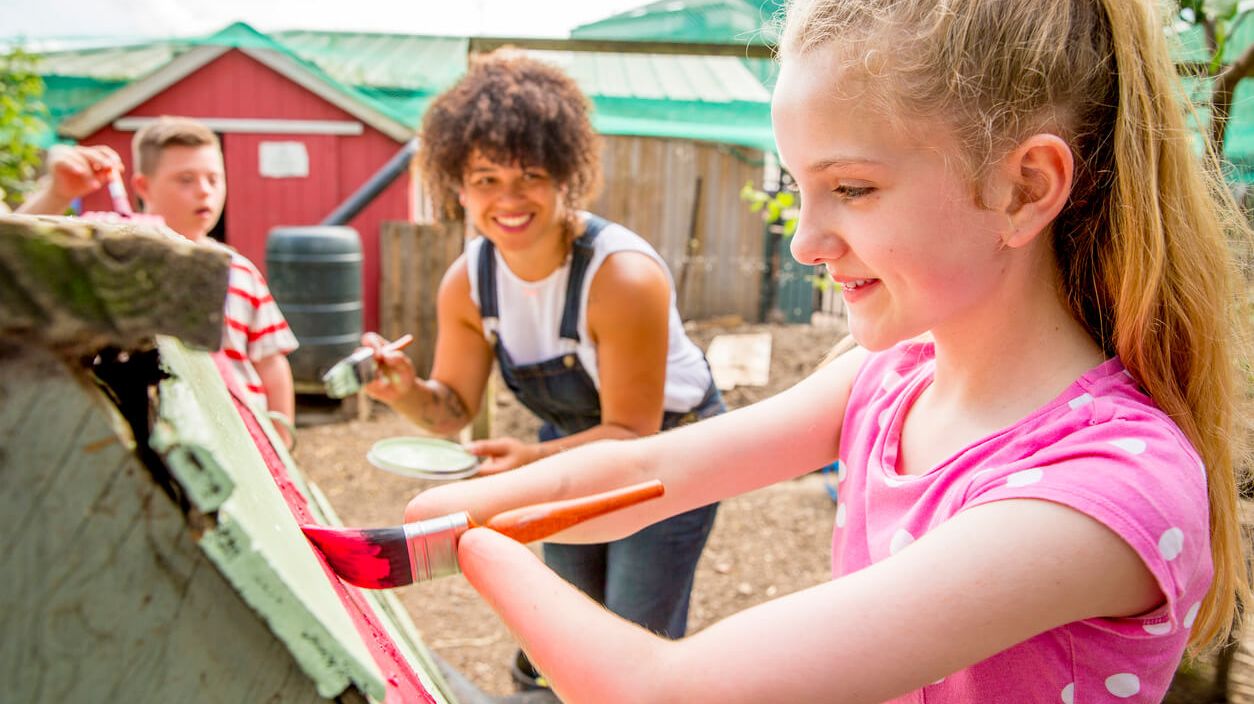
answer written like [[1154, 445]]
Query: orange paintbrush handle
[[539, 521]]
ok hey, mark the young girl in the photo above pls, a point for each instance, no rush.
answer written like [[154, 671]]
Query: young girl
[[1037, 499], [578, 312]]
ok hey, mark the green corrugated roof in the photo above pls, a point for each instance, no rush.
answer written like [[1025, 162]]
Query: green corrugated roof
[[719, 21], [688, 97], [712, 98]]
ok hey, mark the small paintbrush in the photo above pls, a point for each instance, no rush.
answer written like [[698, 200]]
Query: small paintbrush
[[117, 193], [382, 558], [356, 370]]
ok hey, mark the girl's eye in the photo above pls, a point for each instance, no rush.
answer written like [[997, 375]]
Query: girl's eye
[[852, 192], [533, 176]]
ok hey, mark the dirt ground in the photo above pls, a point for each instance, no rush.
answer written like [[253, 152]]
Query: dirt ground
[[764, 544]]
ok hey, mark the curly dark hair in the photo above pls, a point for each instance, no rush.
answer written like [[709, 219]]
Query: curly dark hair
[[515, 110]]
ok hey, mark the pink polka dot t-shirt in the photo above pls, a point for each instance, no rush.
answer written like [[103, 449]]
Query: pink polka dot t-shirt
[[1101, 448]]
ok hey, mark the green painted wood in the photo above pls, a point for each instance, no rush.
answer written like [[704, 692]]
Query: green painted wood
[[392, 614], [170, 572], [80, 285], [254, 540], [106, 596]]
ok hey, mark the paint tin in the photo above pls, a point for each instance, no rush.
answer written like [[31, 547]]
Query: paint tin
[[423, 458]]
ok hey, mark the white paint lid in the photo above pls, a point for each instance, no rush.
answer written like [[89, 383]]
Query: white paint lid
[[423, 458]]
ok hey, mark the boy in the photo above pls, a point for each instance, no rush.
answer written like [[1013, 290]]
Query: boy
[[179, 175]]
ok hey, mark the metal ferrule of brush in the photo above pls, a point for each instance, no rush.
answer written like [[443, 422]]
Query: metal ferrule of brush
[[433, 545]]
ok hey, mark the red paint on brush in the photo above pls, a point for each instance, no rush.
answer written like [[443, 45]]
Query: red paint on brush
[[402, 682], [379, 558], [364, 558]]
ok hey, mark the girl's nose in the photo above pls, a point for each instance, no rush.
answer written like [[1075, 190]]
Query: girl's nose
[[815, 241]]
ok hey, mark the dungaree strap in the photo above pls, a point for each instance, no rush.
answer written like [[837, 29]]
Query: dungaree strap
[[487, 281], [581, 257]]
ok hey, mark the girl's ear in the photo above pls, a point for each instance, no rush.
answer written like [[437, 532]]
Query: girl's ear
[[1039, 172], [461, 198]]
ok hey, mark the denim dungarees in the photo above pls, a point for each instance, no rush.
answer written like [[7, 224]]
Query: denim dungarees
[[647, 576]]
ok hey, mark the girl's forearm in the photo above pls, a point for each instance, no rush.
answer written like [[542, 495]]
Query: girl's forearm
[[572, 649]]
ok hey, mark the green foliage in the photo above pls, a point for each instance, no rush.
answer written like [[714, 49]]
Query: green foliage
[[1221, 15], [779, 207], [21, 113], [782, 208]]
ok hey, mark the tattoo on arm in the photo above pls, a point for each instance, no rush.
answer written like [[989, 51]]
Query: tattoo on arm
[[446, 407]]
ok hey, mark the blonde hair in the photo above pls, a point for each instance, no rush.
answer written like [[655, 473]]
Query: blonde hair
[[153, 138], [1143, 244]]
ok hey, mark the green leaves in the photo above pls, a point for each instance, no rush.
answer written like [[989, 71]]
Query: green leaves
[[780, 207], [21, 121]]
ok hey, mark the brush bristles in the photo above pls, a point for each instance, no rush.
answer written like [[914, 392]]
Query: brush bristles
[[371, 558], [349, 374]]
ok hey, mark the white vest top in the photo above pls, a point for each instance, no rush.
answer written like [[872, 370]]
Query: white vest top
[[531, 316]]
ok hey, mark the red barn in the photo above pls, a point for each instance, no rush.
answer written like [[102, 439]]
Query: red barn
[[296, 142]]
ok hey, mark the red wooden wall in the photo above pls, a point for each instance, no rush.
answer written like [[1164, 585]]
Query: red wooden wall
[[237, 86]]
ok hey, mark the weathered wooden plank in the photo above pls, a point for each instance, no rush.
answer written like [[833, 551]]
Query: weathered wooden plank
[[420, 254], [106, 596], [252, 540], [82, 285], [649, 187], [391, 284]]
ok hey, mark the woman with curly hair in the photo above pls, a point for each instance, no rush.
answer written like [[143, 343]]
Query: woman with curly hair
[[579, 312]]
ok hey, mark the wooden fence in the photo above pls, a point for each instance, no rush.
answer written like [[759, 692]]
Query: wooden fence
[[413, 258], [684, 198]]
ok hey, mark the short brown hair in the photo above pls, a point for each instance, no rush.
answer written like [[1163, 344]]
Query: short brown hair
[[515, 110], [153, 138]]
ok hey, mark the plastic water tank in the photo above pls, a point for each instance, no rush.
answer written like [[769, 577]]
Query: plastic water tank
[[314, 273]]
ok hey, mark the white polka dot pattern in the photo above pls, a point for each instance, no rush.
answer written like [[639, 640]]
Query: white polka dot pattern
[[1123, 685], [841, 471], [841, 516], [1171, 544], [1191, 615], [1081, 400], [1102, 448], [1025, 477], [1132, 446], [901, 539]]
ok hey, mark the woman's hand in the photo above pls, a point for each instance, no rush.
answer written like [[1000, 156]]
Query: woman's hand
[[396, 377], [502, 454]]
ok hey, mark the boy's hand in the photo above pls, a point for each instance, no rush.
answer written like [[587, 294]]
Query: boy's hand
[[78, 170], [396, 377]]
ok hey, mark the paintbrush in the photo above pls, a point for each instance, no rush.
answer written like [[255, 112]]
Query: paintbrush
[[117, 193], [347, 376], [382, 558]]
